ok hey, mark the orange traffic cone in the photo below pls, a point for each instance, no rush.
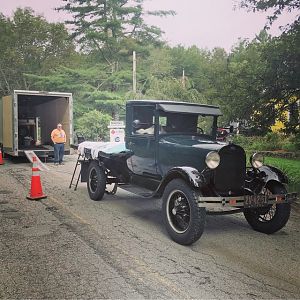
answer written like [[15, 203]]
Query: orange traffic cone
[[1, 159], [36, 191]]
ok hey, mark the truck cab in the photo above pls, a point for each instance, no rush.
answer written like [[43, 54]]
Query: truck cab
[[164, 134]]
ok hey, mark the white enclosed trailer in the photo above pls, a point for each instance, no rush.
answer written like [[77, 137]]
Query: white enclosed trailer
[[28, 117]]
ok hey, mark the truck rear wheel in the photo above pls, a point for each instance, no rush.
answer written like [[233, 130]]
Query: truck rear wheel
[[272, 218], [183, 219], [96, 181]]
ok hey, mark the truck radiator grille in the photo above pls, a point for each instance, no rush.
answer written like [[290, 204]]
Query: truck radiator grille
[[230, 174]]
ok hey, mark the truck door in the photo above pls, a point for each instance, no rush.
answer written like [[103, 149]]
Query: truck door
[[141, 140], [8, 136]]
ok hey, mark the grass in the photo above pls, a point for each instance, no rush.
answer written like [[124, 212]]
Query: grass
[[290, 167]]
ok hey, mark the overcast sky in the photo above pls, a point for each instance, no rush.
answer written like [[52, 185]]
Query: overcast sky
[[205, 23]]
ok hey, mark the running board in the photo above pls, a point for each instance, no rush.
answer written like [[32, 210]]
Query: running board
[[139, 191]]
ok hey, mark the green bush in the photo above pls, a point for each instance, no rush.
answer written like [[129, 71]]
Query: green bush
[[292, 144], [271, 141], [295, 140], [244, 141], [260, 145], [290, 147], [93, 125]]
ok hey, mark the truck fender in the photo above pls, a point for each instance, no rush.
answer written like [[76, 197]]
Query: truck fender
[[273, 174], [191, 175], [85, 164]]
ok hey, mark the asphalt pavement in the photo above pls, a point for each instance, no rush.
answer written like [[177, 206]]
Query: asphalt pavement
[[68, 246]]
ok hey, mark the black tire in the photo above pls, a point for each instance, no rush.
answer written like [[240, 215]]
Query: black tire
[[183, 219], [96, 182], [272, 218]]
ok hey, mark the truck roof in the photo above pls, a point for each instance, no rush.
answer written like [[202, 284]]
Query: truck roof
[[41, 93], [180, 107]]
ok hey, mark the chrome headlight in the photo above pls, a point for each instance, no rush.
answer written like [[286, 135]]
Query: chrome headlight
[[257, 160], [212, 159]]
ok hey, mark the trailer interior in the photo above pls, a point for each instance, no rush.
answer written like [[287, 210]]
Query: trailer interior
[[38, 115]]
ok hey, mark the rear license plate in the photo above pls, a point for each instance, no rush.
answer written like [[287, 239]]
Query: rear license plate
[[255, 201]]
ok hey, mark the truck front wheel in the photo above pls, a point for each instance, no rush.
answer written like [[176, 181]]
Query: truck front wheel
[[96, 181], [183, 219], [272, 218]]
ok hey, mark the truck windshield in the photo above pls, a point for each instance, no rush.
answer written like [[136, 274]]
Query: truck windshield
[[185, 123]]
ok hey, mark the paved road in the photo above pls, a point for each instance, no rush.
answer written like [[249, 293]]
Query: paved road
[[68, 246]]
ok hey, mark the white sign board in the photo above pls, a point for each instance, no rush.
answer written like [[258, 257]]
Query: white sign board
[[117, 135], [116, 124], [41, 166]]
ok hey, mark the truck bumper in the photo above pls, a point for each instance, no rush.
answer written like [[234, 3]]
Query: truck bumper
[[246, 201]]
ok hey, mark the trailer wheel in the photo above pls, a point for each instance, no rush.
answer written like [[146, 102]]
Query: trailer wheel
[[272, 218], [183, 219], [96, 181]]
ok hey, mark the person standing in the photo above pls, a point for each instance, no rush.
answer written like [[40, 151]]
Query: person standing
[[58, 137]]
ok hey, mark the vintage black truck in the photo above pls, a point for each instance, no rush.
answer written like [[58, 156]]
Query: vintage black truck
[[171, 152]]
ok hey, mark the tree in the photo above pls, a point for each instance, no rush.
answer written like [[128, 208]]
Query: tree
[[93, 125], [194, 61], [158, 64], [87, 83], [29, 44], [281, 91], [110, 26], [240, 84], [215, 71], [173, 89], [281, 56], [276, 6], [262, 82]]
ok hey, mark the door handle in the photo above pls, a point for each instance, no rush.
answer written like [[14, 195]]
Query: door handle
[[131, 144]]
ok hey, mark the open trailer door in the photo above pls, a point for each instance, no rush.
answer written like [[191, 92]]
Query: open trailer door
[[7, 122]]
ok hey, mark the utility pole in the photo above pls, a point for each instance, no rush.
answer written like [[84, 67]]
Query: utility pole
[[183, 78], [134, 74]]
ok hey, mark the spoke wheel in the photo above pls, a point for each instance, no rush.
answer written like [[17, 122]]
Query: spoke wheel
[[178, 211], [96, 181], [266, 214], [93, 180], [269, 215], [183, 219], [271, 218]]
